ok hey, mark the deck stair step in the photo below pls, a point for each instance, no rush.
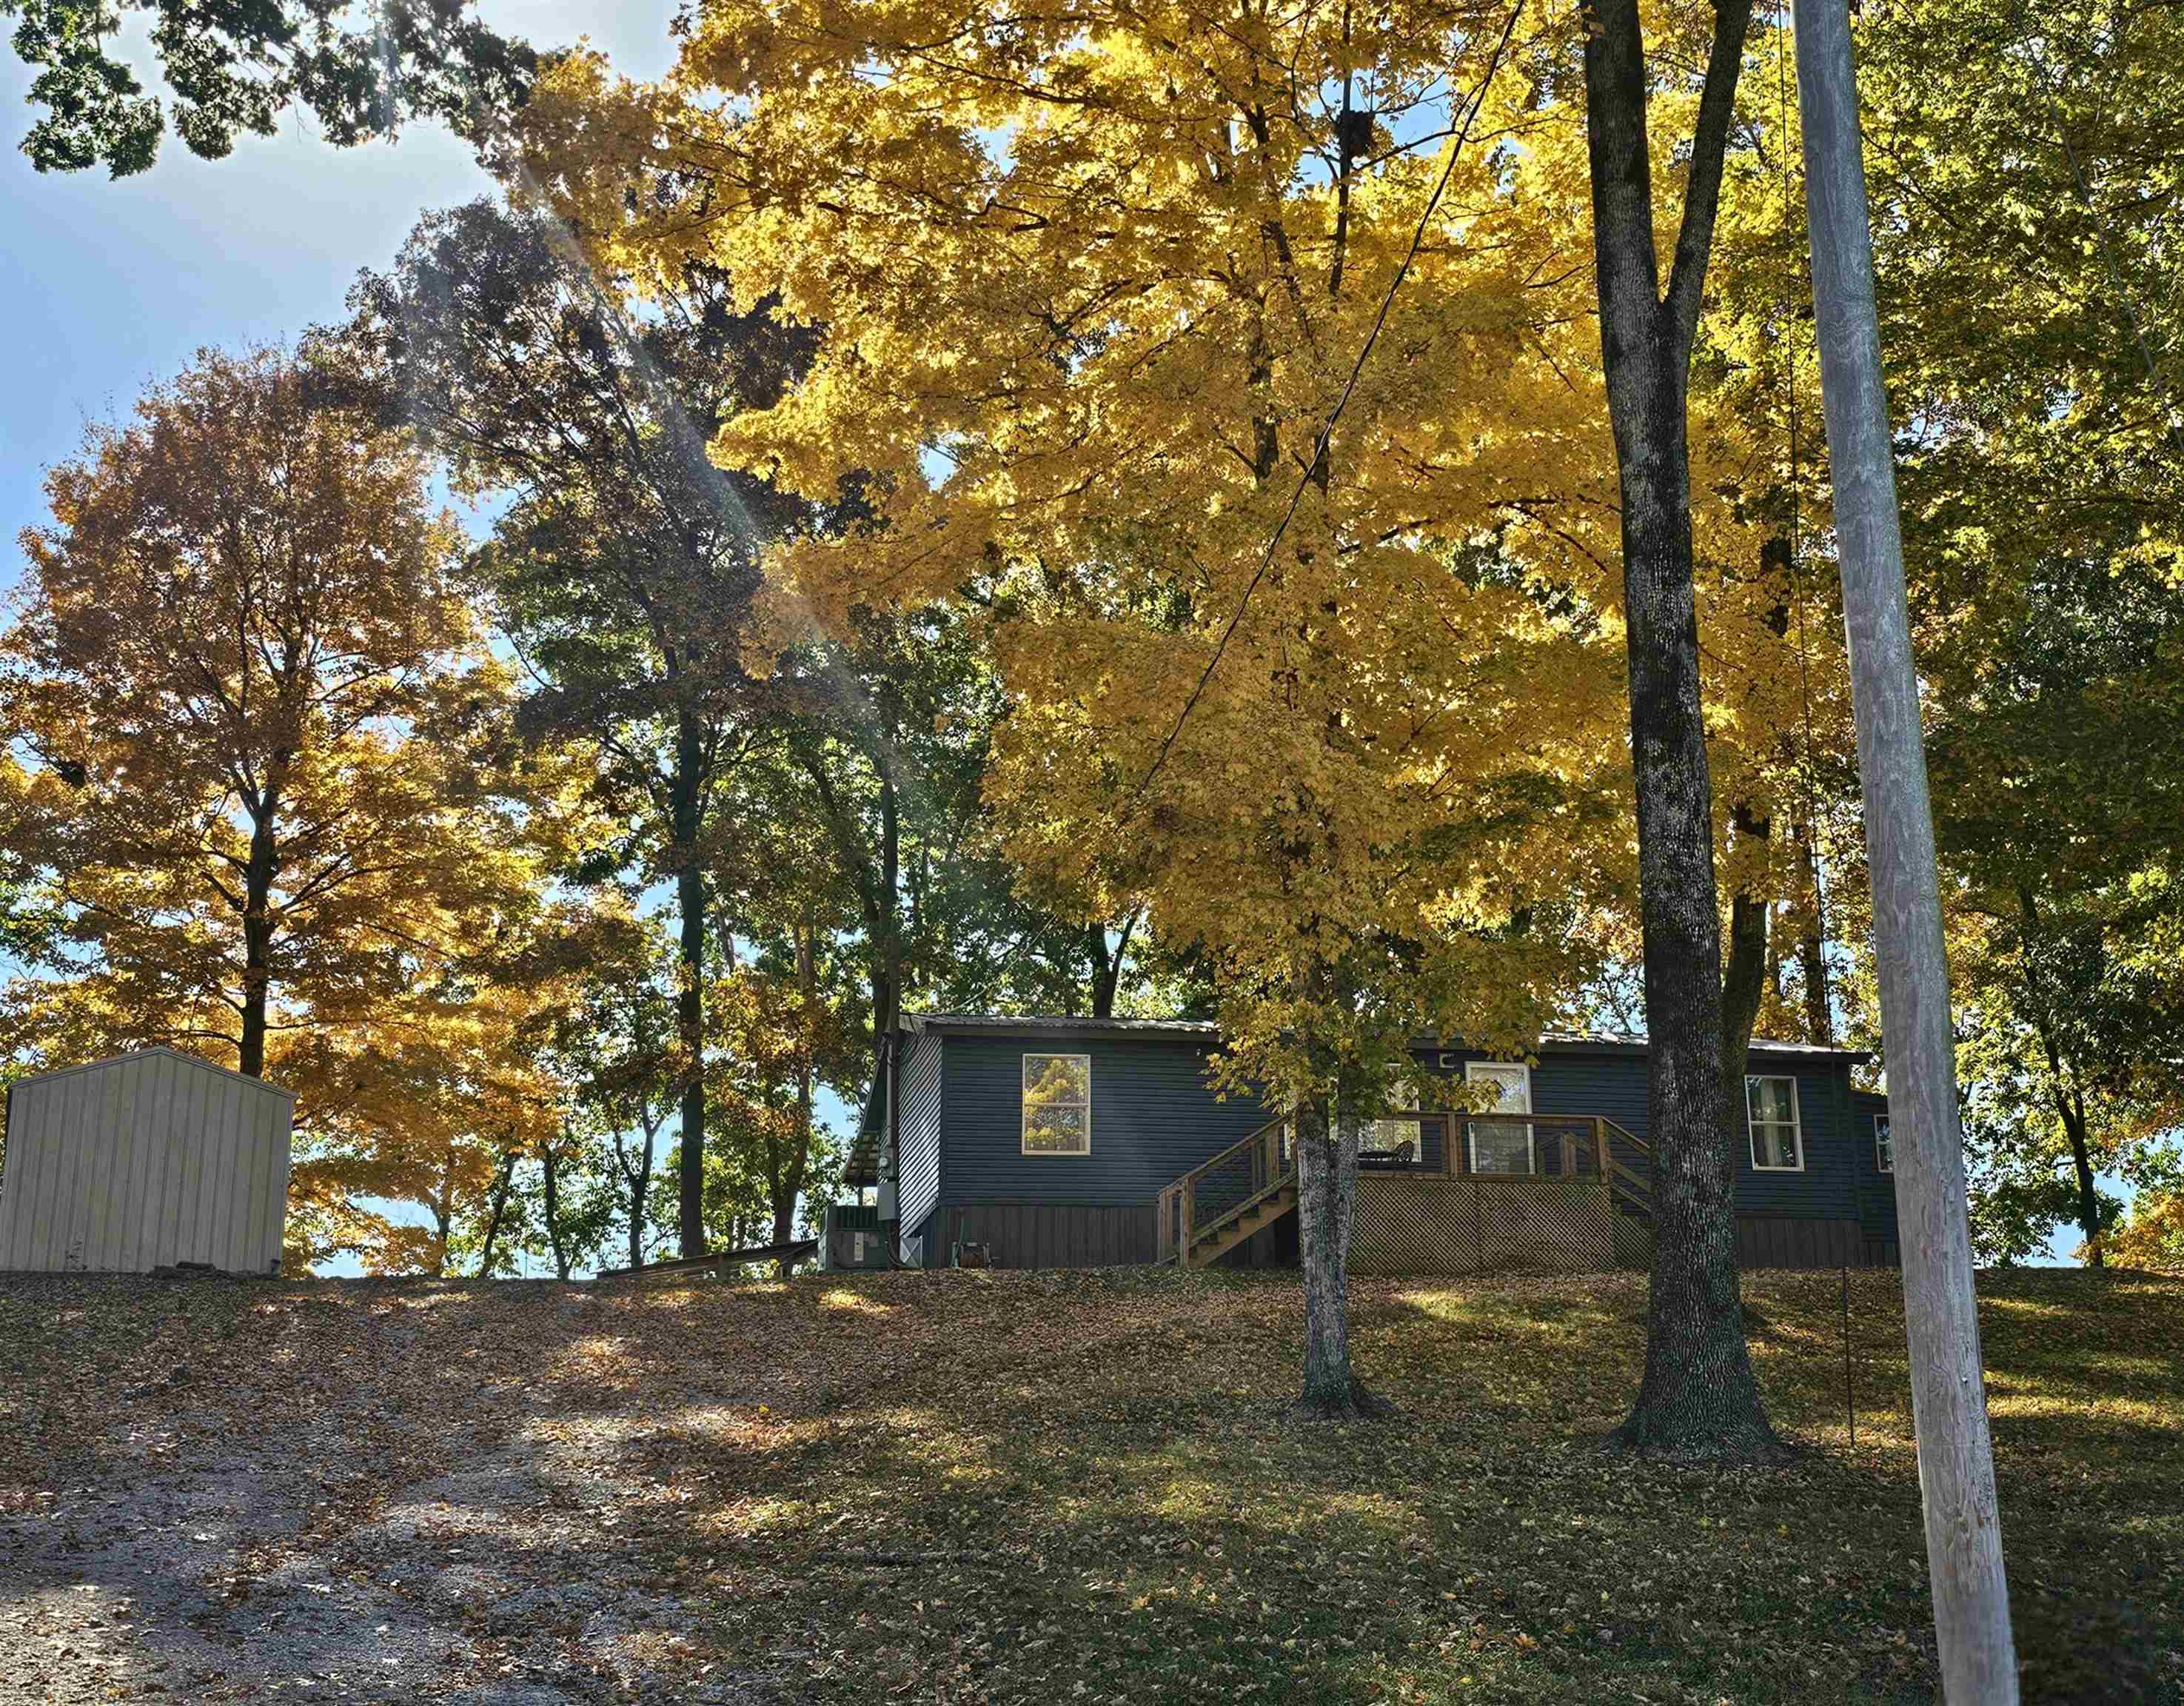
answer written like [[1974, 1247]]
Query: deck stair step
[[1218, 1238], [1219, 1204]]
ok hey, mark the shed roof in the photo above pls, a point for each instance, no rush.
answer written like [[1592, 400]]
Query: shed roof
[[183, 1055]]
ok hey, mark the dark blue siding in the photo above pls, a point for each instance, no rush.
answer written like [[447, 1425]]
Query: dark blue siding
[[1876, 1206], [1612, 1082], [1154, 1117], [917, 1188]]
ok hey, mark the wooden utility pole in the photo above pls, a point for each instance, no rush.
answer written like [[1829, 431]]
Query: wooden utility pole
[[1956, 1458]]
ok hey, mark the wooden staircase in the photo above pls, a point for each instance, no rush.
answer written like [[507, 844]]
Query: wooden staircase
[[1216, 1207]]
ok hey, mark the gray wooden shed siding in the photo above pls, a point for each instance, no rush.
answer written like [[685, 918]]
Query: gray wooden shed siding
[[1154, 1117], [142, 1162]]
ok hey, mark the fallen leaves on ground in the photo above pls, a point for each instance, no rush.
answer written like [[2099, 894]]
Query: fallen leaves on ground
[[1038, 1487]]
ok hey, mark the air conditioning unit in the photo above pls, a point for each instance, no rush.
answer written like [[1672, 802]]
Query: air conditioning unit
[[857, 1238]]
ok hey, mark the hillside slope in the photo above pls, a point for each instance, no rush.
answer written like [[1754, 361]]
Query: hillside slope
[[1034, 1488]]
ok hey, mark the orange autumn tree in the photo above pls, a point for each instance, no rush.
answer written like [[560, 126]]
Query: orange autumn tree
[[250, 725], [1342, 703]]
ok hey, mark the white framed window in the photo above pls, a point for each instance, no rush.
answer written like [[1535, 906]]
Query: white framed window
[[1498, 1144], [1057, 1104], [1770, 1109], [1399, 1133], [1884, 1148]]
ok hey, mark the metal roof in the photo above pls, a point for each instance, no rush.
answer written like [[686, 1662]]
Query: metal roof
[[183, 1055], [1008, 1024]]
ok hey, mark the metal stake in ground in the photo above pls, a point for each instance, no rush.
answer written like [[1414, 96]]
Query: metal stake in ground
[[1949, 1401], [1850, 1391]]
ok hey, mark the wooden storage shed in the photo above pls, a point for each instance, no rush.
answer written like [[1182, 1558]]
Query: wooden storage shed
[[147, 1161]]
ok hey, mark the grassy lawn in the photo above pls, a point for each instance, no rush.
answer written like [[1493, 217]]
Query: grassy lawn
[[1056, 1487]]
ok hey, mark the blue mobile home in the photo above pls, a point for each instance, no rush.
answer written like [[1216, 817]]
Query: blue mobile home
[[1071, 1142]]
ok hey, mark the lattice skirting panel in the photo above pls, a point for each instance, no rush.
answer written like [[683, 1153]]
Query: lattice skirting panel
[[1412, 1225]]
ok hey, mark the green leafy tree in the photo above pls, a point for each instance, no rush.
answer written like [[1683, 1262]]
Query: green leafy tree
[[2022, 158], [235, 69], [623, 565]]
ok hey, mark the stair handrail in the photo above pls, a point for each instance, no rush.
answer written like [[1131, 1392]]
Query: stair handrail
[[1636, 1191], [1628, 1135], [1264, 1167], [1176, 1229]]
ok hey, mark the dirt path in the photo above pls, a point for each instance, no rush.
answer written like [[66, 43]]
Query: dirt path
[[221, 1534]]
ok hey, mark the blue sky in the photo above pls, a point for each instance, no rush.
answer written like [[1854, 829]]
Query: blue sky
[[105, 287]]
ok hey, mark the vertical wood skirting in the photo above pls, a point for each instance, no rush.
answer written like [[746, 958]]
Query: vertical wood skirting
[[1048, 1235]]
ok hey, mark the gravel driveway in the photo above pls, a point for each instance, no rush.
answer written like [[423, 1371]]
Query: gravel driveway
[[228, 1491]]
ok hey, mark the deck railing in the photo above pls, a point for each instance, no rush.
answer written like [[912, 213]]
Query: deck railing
[[1518, 1149], [1213, 1191]]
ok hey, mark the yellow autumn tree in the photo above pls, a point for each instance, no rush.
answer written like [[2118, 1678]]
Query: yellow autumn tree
[[1342, 701]]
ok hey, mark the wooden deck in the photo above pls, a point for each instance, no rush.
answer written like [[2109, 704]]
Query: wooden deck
[[1584, 1208]]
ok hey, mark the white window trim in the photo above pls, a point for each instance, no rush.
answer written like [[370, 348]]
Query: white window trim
[[1473, 1074], [1411, 1116], [1023, 1109], [1879, 1123], [1796, 1122]]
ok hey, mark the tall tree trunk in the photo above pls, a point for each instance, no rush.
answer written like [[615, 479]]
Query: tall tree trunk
[[1326, 1197], [1698, 1394], [500, 1210], [1743, 981], [690, 991], [258, 939], [883, 905], [1107, 973], [637, 1185], [1811, 942], [2067, 1100], [550, 1159], [788, 1182], [443, 1217], [2073, 1110]]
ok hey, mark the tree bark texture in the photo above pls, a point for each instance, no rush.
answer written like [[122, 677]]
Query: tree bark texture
[[549, 1162], [1812, 943], [258, 938], [1327, 1198], [1948, 1395], [1697, 1396], [787, 1182], [2089, 1198], [499, 1212]]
